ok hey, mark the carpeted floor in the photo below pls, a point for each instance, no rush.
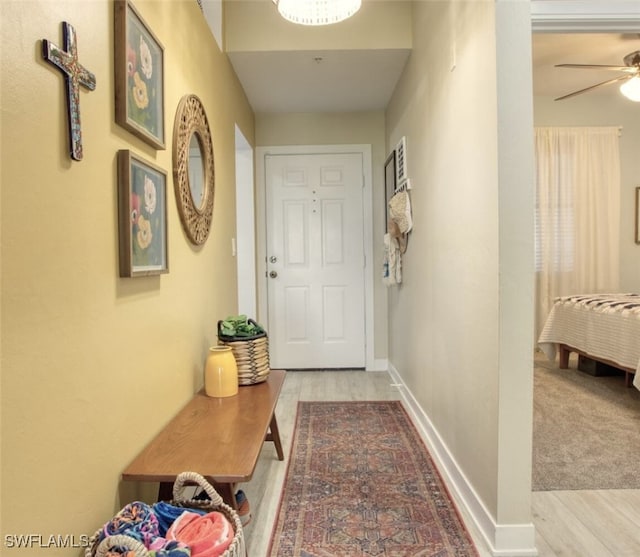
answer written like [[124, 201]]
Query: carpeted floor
[[586, 430], [360, 482]]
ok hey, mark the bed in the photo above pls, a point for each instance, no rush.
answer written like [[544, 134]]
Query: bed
[[603, 327]]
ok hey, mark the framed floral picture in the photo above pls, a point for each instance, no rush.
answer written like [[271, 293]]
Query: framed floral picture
[[142, 216], [139, 76]]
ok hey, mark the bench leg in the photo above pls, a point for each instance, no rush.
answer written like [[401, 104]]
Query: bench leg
[[274, 435], [228, 494], [165, 491]]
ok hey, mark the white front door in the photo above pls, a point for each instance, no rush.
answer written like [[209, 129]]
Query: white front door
[[315, 260]]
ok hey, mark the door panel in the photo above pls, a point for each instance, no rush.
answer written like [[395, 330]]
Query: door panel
[[295, 234], [334, 306], [315, 261], [296, 300]]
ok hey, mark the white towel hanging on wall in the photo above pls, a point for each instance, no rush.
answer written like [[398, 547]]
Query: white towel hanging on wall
[[392, 272]]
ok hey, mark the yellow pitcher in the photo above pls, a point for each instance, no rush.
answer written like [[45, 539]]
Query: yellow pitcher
[[221, 372]]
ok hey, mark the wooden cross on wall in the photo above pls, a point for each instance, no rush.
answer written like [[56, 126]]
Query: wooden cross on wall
[[75, 74]]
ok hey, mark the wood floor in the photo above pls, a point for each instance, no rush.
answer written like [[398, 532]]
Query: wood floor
[[568, 523]]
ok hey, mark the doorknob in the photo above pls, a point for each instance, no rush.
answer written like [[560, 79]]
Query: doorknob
[[273, 274]]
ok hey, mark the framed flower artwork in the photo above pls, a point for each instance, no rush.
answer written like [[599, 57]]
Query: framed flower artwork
[[142, 216], [139, 76]]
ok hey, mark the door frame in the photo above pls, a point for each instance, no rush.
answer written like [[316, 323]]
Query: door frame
[[584, 16], [244, 245], [367, 224]]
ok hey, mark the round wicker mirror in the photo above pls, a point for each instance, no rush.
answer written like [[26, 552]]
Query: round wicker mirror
[[193, 169]]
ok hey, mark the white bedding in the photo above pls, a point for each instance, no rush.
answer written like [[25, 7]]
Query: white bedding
[[602, 325]]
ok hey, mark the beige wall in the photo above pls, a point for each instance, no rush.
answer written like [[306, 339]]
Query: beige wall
[[92, 364], [460, 323], [333, 129], [443, 319], [589, 110]]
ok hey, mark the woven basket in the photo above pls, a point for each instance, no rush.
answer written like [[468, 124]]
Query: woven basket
[[251, 354], [236, 549]]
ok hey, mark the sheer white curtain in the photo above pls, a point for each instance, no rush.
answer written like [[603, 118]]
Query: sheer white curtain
[[577, 213]]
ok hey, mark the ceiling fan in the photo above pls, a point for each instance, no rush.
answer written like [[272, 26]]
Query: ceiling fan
[[630, 87]]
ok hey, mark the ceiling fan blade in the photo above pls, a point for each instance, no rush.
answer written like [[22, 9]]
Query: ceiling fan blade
[[621, 78], [599, 67]]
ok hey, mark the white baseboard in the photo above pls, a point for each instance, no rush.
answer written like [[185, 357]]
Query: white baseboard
[[378, 364], [502, 540]]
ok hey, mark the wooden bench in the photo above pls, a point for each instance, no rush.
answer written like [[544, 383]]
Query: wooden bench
[[220, 438]]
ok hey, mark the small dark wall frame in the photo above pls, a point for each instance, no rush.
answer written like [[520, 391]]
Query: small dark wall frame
[[637, 205], [389, 185]]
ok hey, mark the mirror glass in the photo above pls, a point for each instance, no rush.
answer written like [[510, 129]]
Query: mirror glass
[[196, 171]]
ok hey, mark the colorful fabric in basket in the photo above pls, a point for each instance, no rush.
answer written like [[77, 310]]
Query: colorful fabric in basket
[[169, 548], [207, 536], [135, 520], [159, 548], [167, 513], [139, 521]]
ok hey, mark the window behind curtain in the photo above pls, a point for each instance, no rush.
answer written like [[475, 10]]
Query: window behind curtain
[[554, 231]]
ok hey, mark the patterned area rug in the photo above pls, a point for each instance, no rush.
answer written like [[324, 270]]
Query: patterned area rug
[[360, 482]]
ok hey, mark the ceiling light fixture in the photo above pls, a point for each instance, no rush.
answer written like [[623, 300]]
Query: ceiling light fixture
[[317, 12], [631, 89]]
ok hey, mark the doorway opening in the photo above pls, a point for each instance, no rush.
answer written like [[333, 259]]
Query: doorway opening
[[245, 247]]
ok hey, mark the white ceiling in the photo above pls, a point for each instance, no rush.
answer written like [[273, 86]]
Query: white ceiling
[[319, 81], [353, 80]]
